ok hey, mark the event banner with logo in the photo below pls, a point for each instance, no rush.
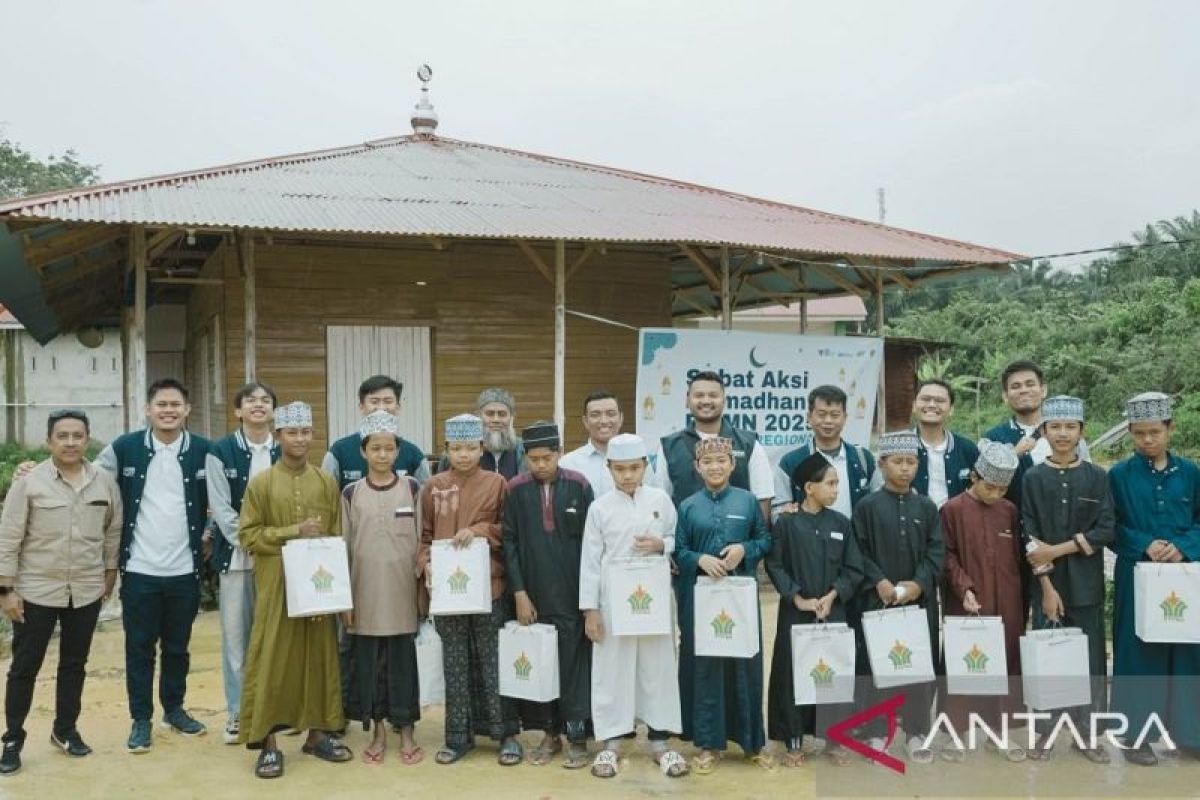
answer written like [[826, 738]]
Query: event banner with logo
[[767, 378]]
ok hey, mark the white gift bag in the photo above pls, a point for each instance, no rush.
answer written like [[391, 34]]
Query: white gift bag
[[823, 663], [639, 596], [726, 617], [1054, 669], [431, 679], [316, 576], [1166, 602], [976, 658], [528, 662], [462, 578], [898, 646]]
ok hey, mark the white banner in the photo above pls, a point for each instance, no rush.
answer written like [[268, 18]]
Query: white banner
[[767, 379]]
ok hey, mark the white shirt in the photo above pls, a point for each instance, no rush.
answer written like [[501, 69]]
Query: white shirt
[[160, 535], [593, 465], [612, 523], [260, 461], [842, 505], [938, 492], [762, 475]]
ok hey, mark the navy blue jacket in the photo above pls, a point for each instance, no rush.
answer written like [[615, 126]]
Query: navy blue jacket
[[960, 457], [127, 459]]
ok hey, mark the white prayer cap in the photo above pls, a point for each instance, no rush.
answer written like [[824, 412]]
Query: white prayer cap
[[897, 443], [378, 422], [1148, 407], [626, 447], [464, 428], [294, 415], [1062, 407], [997, 462]]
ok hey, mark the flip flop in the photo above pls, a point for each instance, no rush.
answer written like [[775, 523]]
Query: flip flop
[[704, 763], [793, 759], [577, 757], [270, 764], [540, 756], [605, 765], [450, 755], [412, 757], [511, 753], [373, 758], [763, 759]]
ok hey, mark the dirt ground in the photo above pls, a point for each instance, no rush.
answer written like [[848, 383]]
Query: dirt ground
[[205, 767]]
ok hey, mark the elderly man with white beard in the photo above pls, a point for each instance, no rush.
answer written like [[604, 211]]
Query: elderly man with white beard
[[502, 450]]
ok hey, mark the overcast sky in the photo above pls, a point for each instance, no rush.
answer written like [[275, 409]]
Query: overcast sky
[[1032, 126]]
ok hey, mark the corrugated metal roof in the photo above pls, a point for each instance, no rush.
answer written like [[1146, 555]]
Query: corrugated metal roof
[[433, 186]]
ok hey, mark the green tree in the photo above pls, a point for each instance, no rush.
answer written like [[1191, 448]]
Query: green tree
[[22, 173]]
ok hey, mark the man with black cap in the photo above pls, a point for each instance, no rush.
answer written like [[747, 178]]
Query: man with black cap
[[542, 535]]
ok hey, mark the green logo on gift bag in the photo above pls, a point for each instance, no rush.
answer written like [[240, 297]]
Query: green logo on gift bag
[[1173, 608], [722, 625], [522, 667], [458, 581], [900, 656], [322, 580], [976, 659], [640, 600], [822, 675]]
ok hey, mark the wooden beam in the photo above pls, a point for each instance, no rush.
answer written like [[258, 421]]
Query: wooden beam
[[83, 267], [189, 281], [245, 251], [579, 262], [536, 260], [707, 268], [560, 335], [803, 300], [707, 311], [160, 241], [899, 277], [43, 252], [879, 321], [834, 277], [726, 296], [436, 243], [135, 333]]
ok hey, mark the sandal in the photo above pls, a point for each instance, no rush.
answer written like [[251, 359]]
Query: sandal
[[1039, 752], [511, 753], [793, 759], [763, 759], [605, 765], [542, 755], [269, 765], [371, 756], [918, 753], [1016, 754], [704, 763], [577, 756], [412, 757], [1096, 755], [328, 749], [672, 764], [450, 755]]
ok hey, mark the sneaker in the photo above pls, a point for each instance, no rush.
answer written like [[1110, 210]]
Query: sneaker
[[71, 743], [140, 737], [232, 730], [182, 722], [10, 759]]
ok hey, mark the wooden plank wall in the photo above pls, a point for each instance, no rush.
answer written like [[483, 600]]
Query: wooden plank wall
[[490, 310]]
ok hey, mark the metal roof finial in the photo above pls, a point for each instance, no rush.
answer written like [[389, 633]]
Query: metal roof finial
[[424, 119]]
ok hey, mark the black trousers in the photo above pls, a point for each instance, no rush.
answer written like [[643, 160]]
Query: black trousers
[[30, 640], [158, 614]]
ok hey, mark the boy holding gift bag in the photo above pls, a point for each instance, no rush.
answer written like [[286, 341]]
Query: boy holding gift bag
[[1067, 519], [900, 536], [460, 504], [817, 568], [983, 576], [1157, 498], [633, 677], [721, 532], [544, 515], [382, 533]]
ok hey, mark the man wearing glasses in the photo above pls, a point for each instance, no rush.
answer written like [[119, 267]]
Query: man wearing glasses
[[944, 459], [59, 535]]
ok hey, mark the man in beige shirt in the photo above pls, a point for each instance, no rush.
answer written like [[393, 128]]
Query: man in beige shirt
[[59, 536]]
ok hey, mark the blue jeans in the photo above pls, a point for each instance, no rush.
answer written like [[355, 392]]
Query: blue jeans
[[237, 613], [157, 613]]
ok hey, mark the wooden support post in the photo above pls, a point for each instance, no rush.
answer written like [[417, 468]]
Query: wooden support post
[[726, 296], [560, 335], [134, 320], [803, 300], [879, 322], [250, 308]]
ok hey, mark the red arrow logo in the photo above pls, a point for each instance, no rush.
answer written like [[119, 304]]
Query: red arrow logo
[[840, 733]]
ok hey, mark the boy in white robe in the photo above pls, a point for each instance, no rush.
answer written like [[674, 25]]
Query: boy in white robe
[[633, 677]]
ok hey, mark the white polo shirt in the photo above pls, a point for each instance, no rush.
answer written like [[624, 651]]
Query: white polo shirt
[[161, 546]]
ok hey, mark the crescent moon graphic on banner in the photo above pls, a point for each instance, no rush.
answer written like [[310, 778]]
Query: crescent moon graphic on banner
[[754, 360]]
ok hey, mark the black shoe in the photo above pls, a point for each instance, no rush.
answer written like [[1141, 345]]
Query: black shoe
[[10, 759], [71, 743]]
